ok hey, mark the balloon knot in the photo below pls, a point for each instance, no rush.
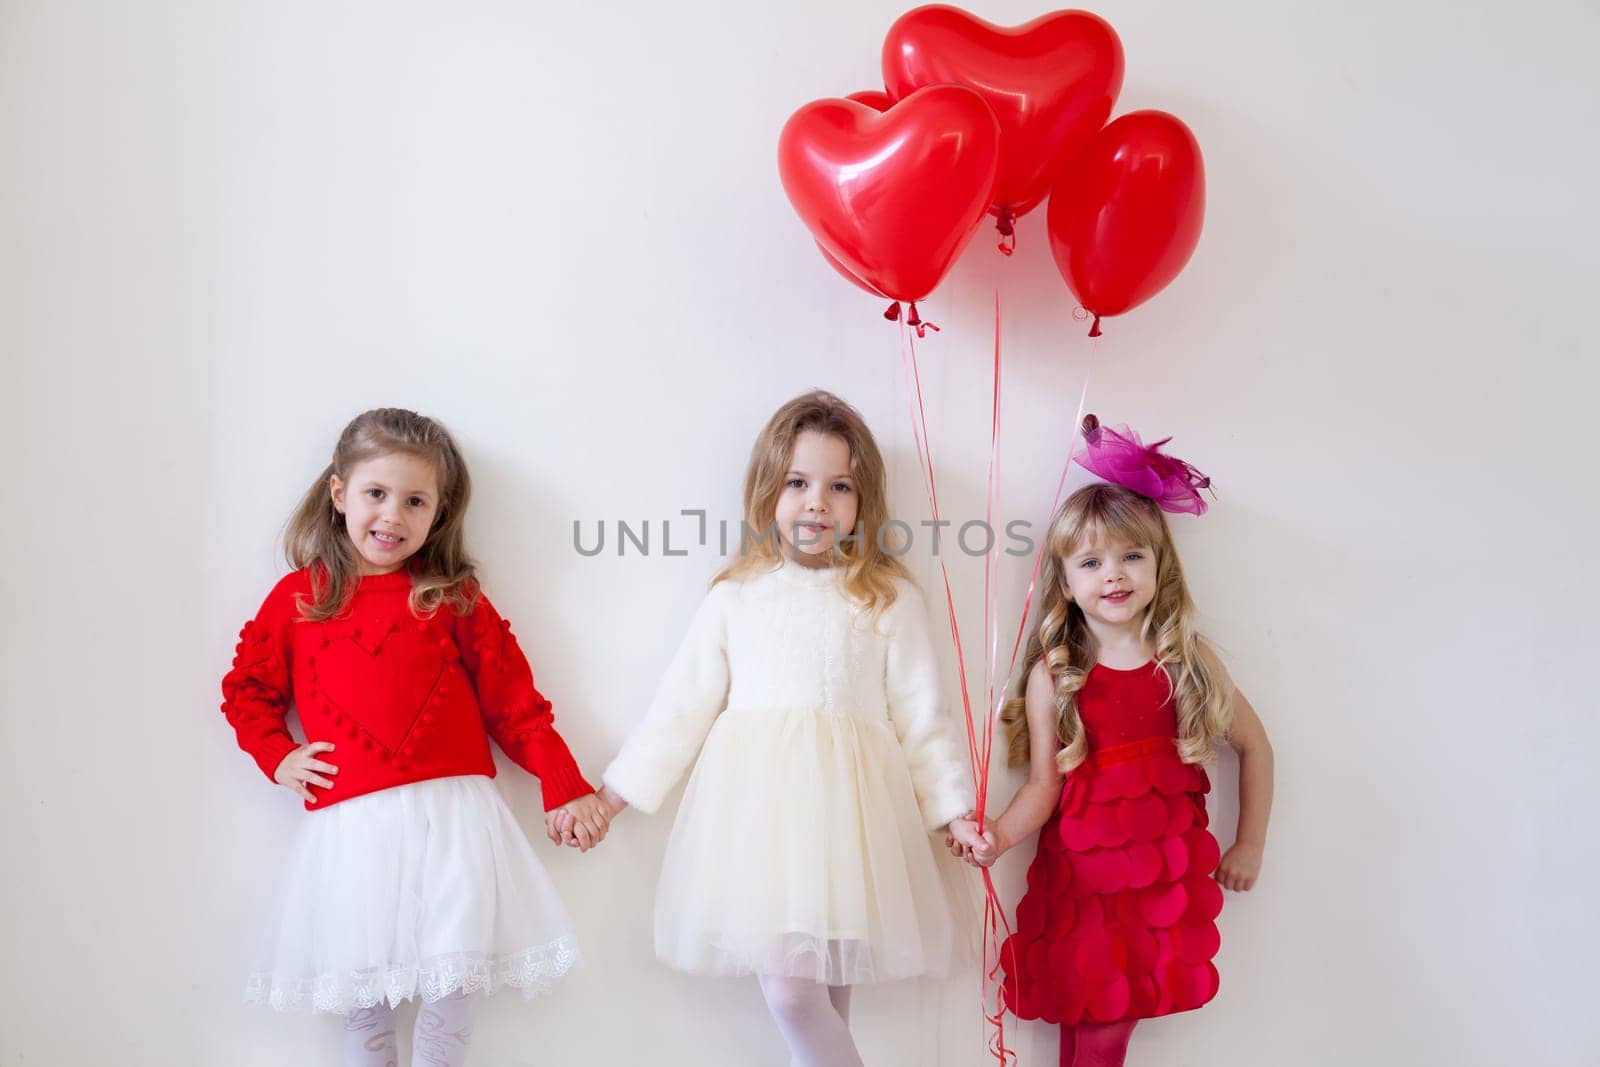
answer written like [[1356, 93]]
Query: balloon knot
[[892, 312], [1005, 222], [914, 320]]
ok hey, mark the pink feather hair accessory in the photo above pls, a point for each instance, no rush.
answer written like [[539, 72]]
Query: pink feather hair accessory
[[1118, 456]]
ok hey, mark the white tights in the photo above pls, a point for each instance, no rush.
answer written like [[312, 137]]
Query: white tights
[[814, 1020], [441, 1037]]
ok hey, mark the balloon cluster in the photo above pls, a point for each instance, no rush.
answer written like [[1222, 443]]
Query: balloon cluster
[[979, 120]]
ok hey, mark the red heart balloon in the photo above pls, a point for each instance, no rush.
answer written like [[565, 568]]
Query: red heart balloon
[[844, 272], [873, 98], [1126, 216], [892, 196], [1051, 82], [877, 101]]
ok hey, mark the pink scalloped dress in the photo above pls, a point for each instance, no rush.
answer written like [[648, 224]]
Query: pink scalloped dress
[[1119, 917]]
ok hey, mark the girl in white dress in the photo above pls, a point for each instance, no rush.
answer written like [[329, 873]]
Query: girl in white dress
[[808, 688]]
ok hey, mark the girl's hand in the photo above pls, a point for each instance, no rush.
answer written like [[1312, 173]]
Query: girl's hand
[[978, 847], [589, 821], [614, 804], [1240, 867], [557, 824], [957, 849], [298, 771]]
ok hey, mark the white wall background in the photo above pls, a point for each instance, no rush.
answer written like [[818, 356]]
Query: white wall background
[[227, 227]]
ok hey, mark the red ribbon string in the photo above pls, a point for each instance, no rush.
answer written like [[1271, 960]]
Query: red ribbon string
[[994, 919], [994, 915], [996, 927], [980, 748], [1038, 557], [908, 354], [991, 579]]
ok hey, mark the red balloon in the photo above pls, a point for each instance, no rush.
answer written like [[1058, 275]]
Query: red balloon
[[1052, 83], [844, 272], [872, 98], [1125, 217], [877, 101], [892, 197]]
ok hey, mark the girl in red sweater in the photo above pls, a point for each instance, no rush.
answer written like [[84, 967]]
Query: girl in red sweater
[[411, 878]]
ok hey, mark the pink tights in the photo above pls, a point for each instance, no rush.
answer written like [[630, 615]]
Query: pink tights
[[1096, 1044]]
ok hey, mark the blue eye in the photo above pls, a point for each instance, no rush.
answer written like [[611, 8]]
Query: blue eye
[[1133, 556], [1090, 563]]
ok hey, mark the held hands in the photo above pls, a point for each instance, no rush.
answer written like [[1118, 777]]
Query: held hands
[[1240, 867], [968, 841], [299, 770], [612, 800], [581, 823], [584, 822]]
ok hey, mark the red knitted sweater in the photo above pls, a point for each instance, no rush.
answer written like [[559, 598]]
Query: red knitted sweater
[[402, 698]]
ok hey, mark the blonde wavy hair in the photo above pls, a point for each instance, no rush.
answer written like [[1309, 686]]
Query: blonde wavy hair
[[1067, 646], [869, 570], [315, 537]]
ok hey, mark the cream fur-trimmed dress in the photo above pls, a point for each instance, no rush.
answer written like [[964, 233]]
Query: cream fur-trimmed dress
[[805, 843]]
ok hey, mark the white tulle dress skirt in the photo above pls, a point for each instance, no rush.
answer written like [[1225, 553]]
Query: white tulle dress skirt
[[799, 850], [424, 890]]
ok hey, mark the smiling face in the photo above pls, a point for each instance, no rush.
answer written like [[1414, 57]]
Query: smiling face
[[1111, 579], [818, 501], [389, 503]]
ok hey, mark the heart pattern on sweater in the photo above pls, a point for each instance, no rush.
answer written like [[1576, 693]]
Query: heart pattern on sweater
[[382, 681]]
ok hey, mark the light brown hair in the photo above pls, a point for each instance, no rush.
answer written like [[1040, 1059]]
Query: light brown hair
[[316, 538], [869, 570]]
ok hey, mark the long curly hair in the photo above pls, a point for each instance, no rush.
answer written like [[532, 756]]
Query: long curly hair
[[869, 569], [315, 538], [1064, 641]]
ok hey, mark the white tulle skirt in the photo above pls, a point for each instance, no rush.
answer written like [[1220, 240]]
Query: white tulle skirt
[[799, 850], [422, 890]]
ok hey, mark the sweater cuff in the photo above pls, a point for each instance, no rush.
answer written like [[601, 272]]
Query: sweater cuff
[[563, 784], [270, 753]]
